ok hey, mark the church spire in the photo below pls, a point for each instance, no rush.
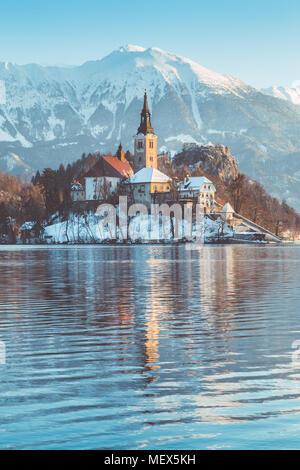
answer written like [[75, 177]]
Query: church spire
[[120, 152], [146, 107], [145, 125]]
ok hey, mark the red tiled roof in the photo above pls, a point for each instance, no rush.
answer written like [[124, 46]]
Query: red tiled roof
[[110, 167], [123, 167]]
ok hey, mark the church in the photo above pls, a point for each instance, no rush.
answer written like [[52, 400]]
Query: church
[[145, 141], [141, 177], [148, 182]]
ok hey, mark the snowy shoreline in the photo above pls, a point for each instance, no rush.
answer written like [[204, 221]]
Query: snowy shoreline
[[91, 229]]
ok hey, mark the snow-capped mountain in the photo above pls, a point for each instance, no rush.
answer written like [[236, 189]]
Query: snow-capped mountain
[[54, 114], [291, 94]]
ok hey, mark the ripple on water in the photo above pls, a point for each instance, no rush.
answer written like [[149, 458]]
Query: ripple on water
[[149, 347]]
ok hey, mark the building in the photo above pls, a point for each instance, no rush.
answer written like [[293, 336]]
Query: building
[[145, 141], [105, 176], [227, 212], [189, 146], [147, 184], [196, 146], [77, 191], [200, 189]]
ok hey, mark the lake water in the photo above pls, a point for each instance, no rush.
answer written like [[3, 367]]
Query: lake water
[[149, 347]]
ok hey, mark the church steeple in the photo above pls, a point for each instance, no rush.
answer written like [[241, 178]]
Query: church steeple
[[145, 142], [145, 125], [120, 153]]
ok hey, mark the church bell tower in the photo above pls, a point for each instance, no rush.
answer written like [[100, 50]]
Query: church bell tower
[[145, 142]]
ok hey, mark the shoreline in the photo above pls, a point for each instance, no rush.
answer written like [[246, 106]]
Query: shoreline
[[153, 242]]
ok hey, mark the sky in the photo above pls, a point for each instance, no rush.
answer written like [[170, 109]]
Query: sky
[[257, 41]]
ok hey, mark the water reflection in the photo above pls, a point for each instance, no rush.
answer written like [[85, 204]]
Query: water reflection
[[149, 346]]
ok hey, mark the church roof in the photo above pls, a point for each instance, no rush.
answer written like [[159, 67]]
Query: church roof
[[110, 167], [145, 125], [149, 175]]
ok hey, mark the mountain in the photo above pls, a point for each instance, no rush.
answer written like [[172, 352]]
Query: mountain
[[285, 93], [54, 114]]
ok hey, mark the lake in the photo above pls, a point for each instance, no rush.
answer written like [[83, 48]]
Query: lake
[[149, 347]]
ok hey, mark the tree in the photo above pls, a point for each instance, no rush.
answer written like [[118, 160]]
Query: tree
[[238, 191], [49, 189], [174, 193]]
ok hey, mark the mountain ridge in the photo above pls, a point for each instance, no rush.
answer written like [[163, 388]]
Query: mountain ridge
[[291, 94]]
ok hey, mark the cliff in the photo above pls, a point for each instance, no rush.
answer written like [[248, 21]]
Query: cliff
[[213, 160]]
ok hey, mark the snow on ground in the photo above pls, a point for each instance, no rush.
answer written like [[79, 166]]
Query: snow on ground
[[90, 228], [27, 226]]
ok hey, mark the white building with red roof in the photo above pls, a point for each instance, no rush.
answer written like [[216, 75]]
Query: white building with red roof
[[105, 176]]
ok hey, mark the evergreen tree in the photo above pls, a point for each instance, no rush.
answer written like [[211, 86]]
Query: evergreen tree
[[49, 189]]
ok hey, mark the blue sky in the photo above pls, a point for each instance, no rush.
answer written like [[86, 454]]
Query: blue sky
[[257, 41]]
